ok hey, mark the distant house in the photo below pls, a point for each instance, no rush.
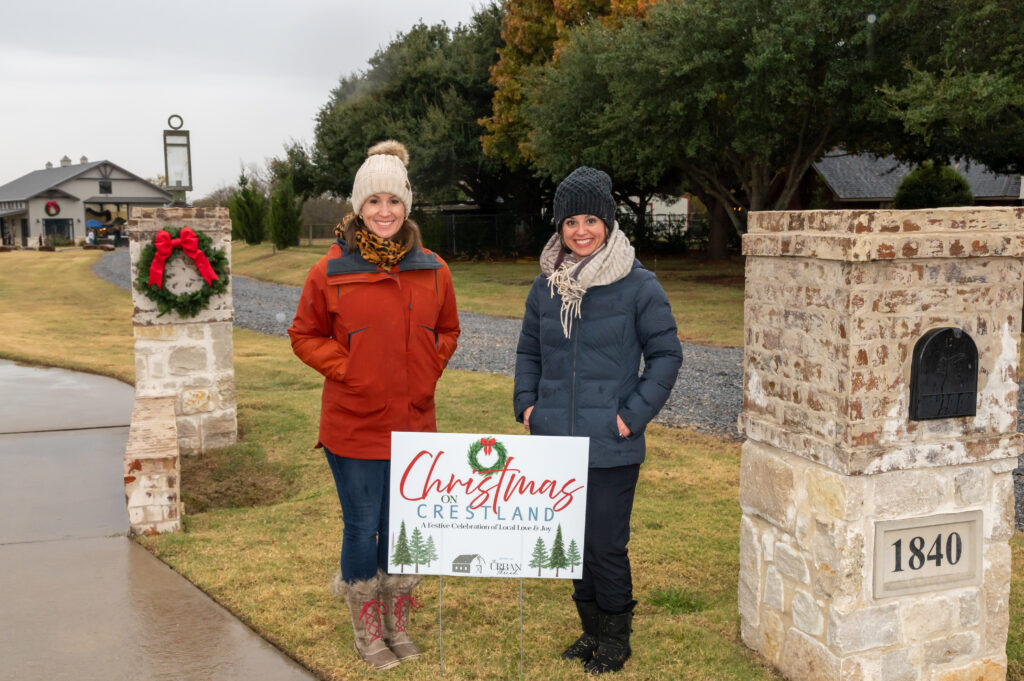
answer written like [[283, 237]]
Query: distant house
[[468, 563], [673, 210], [844, 180], [61, 201]]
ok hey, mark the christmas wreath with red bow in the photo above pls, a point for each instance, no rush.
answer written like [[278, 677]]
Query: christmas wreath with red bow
[[487, 444], [52, 208], [211, 262]]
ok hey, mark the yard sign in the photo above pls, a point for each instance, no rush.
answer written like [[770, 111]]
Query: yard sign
[[487, 506]]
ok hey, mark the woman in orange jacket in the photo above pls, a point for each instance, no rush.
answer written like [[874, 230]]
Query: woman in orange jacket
[[377, 318]]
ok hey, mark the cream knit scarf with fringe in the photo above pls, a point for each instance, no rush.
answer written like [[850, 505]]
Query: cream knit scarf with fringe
[[571, 278]]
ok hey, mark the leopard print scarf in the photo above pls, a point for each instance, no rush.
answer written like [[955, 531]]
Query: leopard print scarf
[[384, 253]]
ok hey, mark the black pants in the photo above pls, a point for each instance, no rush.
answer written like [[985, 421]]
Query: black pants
[[606, 575]]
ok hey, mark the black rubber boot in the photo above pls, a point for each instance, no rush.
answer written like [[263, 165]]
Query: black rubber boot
[[612, 642], [584, 647]]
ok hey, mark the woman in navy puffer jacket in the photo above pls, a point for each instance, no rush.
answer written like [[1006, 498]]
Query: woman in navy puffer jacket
[[591, 316]]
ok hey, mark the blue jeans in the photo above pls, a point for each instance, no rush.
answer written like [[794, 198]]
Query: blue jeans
[[364, 491]]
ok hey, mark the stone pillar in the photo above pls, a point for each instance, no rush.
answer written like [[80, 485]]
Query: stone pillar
[[190, 359], [152, 468], [873, 546]]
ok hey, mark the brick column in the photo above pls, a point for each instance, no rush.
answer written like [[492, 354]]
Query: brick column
[[844, 498], [190, 359]]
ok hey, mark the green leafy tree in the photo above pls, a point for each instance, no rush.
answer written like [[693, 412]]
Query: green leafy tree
[[248, 211], [431, 553], [297, 168], [731, 100], [557, 558], [573, 556], [285, 216], [427, 89], [734, 100], [417, 548], [539, 559], [402, 555], [961, 94], [533, 32], [567, 119], [933, 185]]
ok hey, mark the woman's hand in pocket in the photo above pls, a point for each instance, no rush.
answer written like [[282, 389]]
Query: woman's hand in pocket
[[526, 418], [624, 430]]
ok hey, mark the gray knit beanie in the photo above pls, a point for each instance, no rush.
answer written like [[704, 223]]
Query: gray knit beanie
[[586, 191]]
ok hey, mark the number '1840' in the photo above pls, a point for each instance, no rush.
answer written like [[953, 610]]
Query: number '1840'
[[917, 559]]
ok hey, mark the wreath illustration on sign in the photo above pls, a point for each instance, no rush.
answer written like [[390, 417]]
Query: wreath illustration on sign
[[487, 445], [52, 208], [211, 262]]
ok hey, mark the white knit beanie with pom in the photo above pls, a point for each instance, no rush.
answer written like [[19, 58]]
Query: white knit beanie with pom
[[383, 171]]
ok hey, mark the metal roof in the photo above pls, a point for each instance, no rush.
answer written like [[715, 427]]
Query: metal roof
[[13, 211], [39, 181], [865, 177]]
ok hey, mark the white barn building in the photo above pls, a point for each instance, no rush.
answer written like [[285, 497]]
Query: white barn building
[[62, 201]]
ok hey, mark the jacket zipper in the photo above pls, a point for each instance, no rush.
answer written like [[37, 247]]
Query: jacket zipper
[[572, 398]]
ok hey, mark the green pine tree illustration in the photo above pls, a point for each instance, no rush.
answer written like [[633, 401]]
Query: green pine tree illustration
[[574, 555], [431, 551], [401, 555], [539, 559], [417, 548], [557, 558]]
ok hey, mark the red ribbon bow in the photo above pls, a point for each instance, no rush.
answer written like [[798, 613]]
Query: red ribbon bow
[[487, 444], [187, 241]]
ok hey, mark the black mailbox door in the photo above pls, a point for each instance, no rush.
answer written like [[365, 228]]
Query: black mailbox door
[[944, 375]]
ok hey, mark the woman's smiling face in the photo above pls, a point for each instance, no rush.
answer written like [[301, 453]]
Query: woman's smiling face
[[383, 214], [583, 234]]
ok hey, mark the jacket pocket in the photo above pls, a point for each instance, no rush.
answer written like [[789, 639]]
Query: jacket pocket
[[425, 366], [546, 420], [435, 341], [363, 389]]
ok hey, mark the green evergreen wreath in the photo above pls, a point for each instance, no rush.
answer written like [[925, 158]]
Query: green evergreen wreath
[[185, 304], [474, 462]]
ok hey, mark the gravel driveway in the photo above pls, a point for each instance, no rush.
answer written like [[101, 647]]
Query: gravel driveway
[[708, 394]]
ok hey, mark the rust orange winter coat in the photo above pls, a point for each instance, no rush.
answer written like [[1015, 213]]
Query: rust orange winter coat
[[381, 340]]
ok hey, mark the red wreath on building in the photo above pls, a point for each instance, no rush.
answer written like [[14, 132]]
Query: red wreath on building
[[52, 208]]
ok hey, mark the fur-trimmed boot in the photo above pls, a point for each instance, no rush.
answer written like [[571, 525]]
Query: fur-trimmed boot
[[396, 592], [366, 610], [584, 647], [612, 642]]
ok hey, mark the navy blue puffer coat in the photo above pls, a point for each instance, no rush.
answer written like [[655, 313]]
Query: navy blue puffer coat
[[577, 385]]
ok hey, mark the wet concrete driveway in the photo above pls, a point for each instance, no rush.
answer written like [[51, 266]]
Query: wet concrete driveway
[[78, 600]]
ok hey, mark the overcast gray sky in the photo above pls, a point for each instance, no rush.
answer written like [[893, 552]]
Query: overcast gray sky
[[99, 79]]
